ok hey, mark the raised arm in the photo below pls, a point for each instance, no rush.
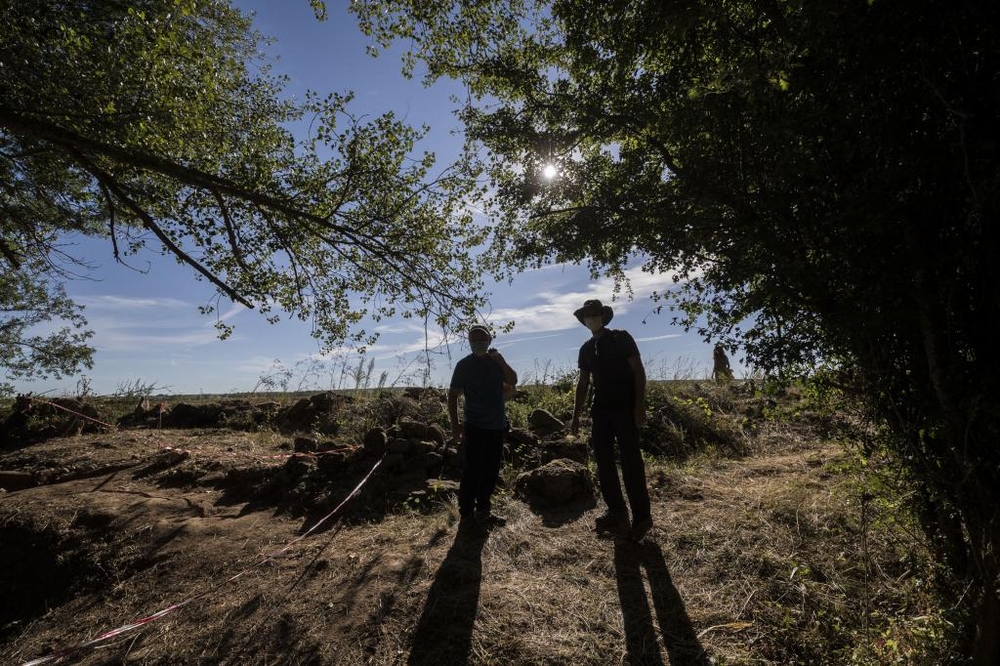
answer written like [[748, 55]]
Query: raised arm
[[509, 375]]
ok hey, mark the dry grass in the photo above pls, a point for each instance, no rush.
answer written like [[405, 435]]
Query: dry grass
[[777, 557]]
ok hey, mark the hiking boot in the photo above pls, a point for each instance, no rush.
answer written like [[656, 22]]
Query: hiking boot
[[611, 522], [490, 520], [640, 528], [469, 527]]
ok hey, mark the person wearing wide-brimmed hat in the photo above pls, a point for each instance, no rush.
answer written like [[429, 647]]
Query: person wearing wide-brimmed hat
[[611, 358], [482, 378]]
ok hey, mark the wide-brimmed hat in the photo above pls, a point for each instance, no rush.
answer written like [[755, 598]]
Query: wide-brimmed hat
[[593, 308]]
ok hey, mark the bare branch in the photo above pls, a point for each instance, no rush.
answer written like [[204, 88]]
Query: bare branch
[[230, 230]]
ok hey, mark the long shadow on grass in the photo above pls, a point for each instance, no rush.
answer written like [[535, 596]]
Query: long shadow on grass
[[678, 633], [444, 631]]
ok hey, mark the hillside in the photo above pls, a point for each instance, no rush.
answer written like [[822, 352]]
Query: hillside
[[772, 545]]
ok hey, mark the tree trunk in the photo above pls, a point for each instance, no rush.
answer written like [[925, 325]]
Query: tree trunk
[[968, 452], [986, 649]]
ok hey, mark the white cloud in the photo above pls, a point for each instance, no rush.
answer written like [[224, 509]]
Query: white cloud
[[233, 310], [553, 311], [669, 336], [509, 343], [116, 303], [406, 326], [120, 340], [548, 312], [435, 341], [255, 365], [128, 323]]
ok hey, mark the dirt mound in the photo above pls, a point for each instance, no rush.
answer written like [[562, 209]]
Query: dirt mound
[[34, 419]]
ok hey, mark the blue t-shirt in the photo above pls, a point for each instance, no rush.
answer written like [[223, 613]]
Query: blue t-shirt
[[480, 379]]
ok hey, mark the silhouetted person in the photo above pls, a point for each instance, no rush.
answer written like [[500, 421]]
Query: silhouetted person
[[612, 359], [480, 377], [721, 372]]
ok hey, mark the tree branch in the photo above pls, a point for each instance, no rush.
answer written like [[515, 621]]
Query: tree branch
[[77, 144], [112, 186], [230, 231]]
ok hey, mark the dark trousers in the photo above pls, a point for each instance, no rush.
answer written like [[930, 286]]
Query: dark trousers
[[610, 425], [483, 449]]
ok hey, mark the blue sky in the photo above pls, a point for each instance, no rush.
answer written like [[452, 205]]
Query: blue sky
[[148, 329]]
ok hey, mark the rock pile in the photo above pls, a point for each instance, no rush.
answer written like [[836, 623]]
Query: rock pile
[[559, 482], [34, 419]]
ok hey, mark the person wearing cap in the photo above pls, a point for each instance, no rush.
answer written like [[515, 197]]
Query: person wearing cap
[[611, 358], [481, 378]]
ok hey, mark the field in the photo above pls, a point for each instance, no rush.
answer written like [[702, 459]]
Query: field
[[774, 543]]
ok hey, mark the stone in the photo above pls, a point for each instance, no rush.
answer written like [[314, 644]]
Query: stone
[[400, 445], [521, 436], [573, 449], [12, 480], [185, 415], [558, 482], [299, 465], [430, 461], [299, 416], [412, 430], [453, 456], [331, 461], [436, 434], [544, 423], [304, 445], [442, 487], [393, 461], [375, 441]]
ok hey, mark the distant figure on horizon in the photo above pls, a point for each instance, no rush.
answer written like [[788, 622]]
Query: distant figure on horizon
[[721, 372], [612, 358], [481, 377]]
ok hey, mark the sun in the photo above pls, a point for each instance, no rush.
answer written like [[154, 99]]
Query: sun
[[549, 171]]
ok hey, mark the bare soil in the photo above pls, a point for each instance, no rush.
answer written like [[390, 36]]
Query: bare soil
[[772, 558]]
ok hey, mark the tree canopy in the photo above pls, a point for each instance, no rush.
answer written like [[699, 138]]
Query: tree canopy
[[158, 124], [823, 175]]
